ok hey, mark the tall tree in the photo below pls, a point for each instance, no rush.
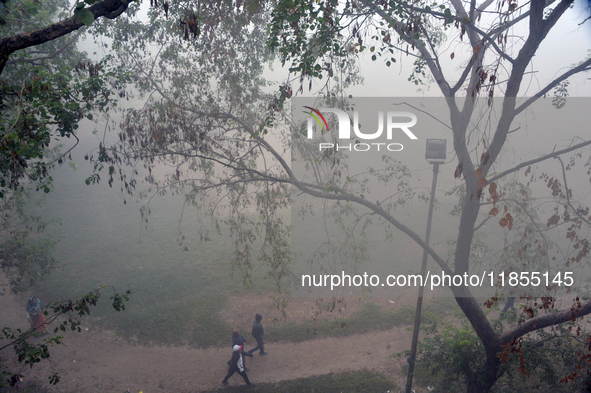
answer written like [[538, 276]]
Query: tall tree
[[209, 132], [315, 36]]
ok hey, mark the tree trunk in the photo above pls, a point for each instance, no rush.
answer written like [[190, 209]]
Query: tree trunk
[[484, 384]]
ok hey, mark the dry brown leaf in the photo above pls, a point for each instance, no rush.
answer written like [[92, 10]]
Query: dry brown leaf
[[482, 182], [495, 198], [478, 173], [493, 211], [458, 171], [503, 222]]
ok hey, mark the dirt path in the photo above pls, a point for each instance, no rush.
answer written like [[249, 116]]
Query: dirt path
[[93, 361]]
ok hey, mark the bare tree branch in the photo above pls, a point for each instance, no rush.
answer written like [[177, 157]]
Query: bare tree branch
[[48, 57], [536, 160], [543, 321], [584, 66]]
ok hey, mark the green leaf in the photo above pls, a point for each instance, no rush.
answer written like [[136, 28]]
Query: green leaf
[[85, 15]]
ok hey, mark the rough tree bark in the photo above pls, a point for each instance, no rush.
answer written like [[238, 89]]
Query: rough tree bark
[[108, 8]]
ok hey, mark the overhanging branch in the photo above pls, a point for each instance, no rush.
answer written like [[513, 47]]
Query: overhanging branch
[[107, 8], [544, 321], [584, 66], [534, 161]]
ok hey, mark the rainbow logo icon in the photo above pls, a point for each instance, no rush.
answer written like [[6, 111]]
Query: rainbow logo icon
[[313, 112]]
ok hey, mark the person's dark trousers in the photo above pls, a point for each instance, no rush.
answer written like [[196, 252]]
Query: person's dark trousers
[[243, 360], [241, 373], [509, 305], [260, 346]]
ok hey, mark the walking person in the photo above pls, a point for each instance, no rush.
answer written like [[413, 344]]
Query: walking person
[[35, 315], [258, 333], [237, 365], [237, 339]]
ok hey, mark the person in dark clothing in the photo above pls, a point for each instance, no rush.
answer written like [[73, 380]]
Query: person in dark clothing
[[237, 365], [237, 339], [258, 333]]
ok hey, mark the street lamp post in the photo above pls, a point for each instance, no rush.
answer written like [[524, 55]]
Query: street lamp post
[[435, 154]]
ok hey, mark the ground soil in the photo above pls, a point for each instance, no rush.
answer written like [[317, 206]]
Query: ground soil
[[97, 361]]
